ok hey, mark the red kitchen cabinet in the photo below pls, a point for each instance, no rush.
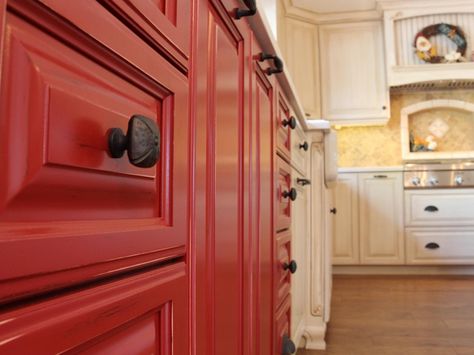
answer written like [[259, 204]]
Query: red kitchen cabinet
[[61, 194], [141, 314]]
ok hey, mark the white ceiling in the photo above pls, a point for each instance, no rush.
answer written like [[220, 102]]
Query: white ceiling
[[330, 6]]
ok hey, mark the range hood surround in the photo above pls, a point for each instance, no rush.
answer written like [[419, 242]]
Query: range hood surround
[[401, 24]]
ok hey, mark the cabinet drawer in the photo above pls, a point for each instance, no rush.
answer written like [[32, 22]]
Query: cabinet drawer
[[282, 276], [440, 246], [283, 134], [60, 191], [440, 207], [166, 24], [282, 203], [282, 333], [299, 150], [142, 314]]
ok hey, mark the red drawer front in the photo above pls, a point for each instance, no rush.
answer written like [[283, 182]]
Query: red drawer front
[[60, 191], [283, 319], [142, 314], [283, 132], [282, 276], [166, 24], [283, 205]]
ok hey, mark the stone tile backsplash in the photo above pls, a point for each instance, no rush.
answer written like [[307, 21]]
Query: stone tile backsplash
[[380, 145]]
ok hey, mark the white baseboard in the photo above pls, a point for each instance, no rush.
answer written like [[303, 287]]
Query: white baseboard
[[403, 270]]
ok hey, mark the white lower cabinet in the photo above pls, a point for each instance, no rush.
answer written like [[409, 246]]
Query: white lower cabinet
[[438, 246], [440, 226], [368, 228], [381, 218], [345, 207]]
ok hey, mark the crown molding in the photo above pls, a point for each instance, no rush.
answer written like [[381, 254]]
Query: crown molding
[[385, 5], [335, 17]]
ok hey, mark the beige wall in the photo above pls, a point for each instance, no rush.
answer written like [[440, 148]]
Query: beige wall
[[380, 146]]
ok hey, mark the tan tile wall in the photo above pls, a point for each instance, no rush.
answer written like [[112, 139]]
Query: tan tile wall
[[380, 145]]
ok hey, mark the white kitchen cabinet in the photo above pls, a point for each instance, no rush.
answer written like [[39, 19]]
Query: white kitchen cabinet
[[302, 58], [381, 218], [353, 82], [300, 243], [345, 244]]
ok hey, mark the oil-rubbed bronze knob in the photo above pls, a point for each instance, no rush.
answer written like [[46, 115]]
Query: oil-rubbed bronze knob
[[288, 347], [142, 142], [289, 122], [290, 194], [291, 266]]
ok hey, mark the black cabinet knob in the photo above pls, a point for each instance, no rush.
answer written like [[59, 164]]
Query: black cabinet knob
[[142, 142], [290, 194], [304, 146], [287, 345], [249, 11], [432, 246], [289, 122], [291, 266], [333, 210], [277, 63]]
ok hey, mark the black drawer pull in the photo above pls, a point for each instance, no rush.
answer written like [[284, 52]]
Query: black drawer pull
[[304, 146], [277, 62], [431, 208], [142, 142], [250, 11], [432, 246], [289, 122], [291, 266], [303, 182], [290, 194], [380, 176], [288, 347]]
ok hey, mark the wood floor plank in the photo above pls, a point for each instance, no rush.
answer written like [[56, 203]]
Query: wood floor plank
[[400, 315]]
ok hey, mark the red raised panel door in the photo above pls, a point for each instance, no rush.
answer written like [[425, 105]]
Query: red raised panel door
[[283, 318], [166, 24], [142, 314], [283, 204], [282, 277], [283, 132], [263, 105], [68, 211]]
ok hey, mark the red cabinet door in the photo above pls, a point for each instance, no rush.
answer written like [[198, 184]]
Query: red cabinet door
[[142, 314], [262, 100], [68, 211], [221, 120]]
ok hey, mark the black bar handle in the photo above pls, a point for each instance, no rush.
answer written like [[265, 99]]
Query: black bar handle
[[431, 208], [289, 122], [292, 194], [250, 11], [291, 266], [432, 246], [303, 182], [380, 176], [277, 62], [304, 146]]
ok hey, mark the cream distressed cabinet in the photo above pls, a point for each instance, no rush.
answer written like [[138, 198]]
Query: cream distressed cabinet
[[353, 80], [381, 218], [303, 66], [345, 244], [368, 227]]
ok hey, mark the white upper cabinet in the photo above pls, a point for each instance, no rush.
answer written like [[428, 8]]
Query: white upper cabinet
[[354, 90], [301, 45]]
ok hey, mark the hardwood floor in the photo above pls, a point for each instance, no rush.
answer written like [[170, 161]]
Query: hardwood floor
[[401, 315]]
